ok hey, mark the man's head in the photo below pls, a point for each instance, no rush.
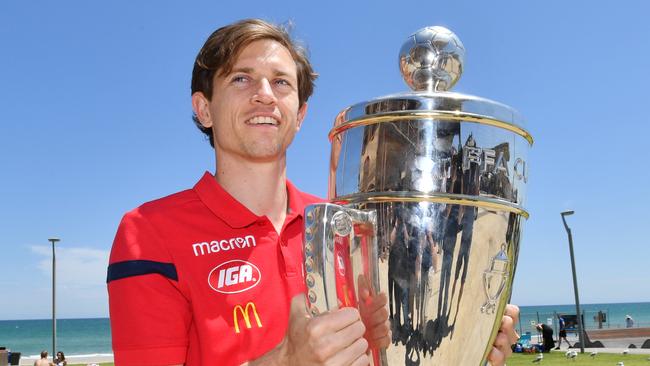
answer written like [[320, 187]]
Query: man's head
[[222, 49], [43, 354]]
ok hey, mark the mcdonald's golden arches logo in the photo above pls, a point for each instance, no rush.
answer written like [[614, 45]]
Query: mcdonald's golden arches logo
[[245, 313]]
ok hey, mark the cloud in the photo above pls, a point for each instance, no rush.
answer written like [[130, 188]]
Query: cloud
[[80, 278], [74, 266]]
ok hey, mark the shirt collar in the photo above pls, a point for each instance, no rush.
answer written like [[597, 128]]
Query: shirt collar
[[234, 213]]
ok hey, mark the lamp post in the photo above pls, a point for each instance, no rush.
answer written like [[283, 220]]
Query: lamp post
[[53, 241], [581, 328]]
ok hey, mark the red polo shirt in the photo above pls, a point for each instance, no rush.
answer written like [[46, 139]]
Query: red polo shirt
[[197, 278]]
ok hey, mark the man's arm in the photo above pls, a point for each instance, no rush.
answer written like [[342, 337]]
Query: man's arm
[[143, 290]]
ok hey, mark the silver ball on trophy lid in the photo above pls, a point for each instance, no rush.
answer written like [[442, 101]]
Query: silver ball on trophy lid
[[431, 59]]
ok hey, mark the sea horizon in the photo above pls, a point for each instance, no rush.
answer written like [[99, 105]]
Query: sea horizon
[[520, 306], [91, 336]]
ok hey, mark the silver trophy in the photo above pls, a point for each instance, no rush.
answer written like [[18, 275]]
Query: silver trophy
[[427, 192]]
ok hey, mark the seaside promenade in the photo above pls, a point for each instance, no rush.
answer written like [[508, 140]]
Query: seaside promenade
[[615, 340], [72, 360]]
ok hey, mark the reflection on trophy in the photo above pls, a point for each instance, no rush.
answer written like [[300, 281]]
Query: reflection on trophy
[[427, 191]]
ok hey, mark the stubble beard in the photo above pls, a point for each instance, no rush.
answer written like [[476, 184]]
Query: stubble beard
[[263, 151]]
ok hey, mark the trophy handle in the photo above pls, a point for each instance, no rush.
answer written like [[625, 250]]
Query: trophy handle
[[340, 249]]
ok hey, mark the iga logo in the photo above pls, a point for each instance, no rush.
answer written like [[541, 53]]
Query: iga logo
[[234, 276]]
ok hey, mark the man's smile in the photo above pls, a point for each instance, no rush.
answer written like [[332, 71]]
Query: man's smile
[[263, 120]]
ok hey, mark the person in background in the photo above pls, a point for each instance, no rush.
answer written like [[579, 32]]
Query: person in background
[[629, 322], [562, 325], [43, 361], [60, 359], [547, 336]]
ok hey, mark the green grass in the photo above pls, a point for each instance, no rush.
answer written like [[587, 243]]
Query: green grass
[[558, 358]]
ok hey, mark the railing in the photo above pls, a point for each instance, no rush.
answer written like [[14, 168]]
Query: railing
[[527, 321]]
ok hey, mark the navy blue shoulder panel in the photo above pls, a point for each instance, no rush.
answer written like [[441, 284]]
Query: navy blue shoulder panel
[[119, 270]]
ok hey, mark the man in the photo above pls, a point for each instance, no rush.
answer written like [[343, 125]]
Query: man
[[547, 336], [43, 361], [213, 274], [562, 335]]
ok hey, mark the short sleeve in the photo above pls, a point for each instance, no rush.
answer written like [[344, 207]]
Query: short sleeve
[[150, 316]]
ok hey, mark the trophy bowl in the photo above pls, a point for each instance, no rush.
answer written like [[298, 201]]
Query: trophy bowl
[[426, 197]]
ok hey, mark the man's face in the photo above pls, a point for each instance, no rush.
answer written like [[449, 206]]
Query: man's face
[[254, 112]]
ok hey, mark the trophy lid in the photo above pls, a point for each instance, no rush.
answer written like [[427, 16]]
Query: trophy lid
[[431, 62]]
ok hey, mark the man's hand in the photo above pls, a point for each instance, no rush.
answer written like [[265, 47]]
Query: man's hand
[[334, 338], [507, 336], [374, 314]]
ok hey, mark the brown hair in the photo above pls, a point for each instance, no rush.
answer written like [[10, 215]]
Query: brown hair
[[221, 49]]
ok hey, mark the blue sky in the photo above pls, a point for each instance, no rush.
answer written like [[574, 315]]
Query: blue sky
[[95, 119]]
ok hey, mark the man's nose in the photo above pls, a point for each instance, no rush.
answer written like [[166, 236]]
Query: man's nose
[[264, 93]]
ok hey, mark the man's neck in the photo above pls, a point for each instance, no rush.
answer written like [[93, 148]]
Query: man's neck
[[260, 186]]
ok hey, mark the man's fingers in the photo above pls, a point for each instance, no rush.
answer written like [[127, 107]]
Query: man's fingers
[[299, 306], [377, 301], [513, 312], [496, 357], [378, 316], [343, 338], [374, 313], [380, 336], [364, 288], [503, 344], [374, 310], [333, 321], [508, 329], [363, 360], [342, 347], [354, 354]]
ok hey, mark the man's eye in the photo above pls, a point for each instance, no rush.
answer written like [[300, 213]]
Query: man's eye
[[239, 79], [283, 82]]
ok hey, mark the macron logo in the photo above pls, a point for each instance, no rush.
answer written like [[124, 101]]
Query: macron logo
[[234, 276], [215, 246]]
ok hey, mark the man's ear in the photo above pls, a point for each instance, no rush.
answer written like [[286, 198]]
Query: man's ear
[[200, 105], [302, 112]]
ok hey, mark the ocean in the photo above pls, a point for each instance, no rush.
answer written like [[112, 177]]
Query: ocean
[[73, 336], [93, 336]]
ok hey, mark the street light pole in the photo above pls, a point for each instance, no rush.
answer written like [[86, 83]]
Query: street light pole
[[53, 240], [581, 328]]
